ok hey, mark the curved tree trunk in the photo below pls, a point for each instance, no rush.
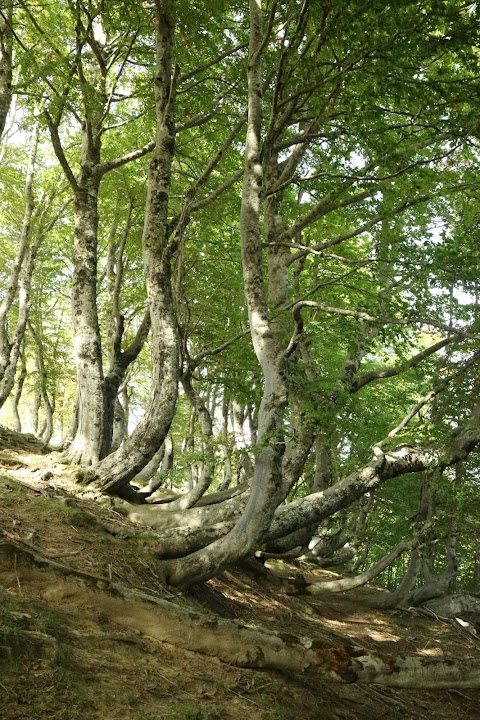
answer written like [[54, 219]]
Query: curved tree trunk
[[153, 473], [20, 281], [266, 493], [115, 471], [118, 361], [207, 464], [349, 583], [18, 393]]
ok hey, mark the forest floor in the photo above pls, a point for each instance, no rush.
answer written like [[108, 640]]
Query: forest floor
[[71, 649]]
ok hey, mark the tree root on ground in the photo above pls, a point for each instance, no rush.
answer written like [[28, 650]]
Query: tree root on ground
[[245, 646]]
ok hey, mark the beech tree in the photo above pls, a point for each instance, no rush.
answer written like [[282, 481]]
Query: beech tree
[[6, 61], [312, 172]]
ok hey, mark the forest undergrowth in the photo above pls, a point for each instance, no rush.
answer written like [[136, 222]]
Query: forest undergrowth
[[78, 623]]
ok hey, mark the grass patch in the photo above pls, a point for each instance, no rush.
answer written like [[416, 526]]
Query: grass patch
[[50, 508], [191, 711]]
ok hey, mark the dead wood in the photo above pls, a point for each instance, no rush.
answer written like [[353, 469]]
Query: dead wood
[[246, 646]]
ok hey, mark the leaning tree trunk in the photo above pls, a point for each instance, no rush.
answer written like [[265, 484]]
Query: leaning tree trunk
[[20, 282], [206, 467], [48, 405], [115, 471], [266, 493], [118, 361], [154, 474], [17, 423]]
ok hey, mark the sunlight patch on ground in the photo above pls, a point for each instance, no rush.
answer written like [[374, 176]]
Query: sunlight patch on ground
[[431, 652], [384, 637]]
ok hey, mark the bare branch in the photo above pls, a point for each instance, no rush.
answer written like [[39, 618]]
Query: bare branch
[[429, 397], [59, 152], [195, 362], [187, 76], [322, 208], [129, 157], [217, 192], [388, 372], [359, 315]]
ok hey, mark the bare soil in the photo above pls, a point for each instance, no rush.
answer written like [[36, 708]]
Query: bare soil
[[72, 650]]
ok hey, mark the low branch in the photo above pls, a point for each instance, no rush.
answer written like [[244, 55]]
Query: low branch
[[324, 660], [59, 152], [349, 583]]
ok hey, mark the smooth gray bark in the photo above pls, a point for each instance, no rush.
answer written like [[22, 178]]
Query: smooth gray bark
[[349, 583], [153, 474], [115, 471], [266, 491], [86, 445], [19, 284]]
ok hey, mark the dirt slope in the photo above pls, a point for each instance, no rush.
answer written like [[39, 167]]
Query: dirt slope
[[72, 647]]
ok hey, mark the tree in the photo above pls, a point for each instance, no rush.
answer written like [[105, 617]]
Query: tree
[[357, 170], [6, 62], [89, 63]]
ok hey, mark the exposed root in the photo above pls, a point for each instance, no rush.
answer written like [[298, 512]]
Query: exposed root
[[245, 646]]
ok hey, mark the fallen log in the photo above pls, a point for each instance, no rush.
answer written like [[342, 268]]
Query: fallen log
[[324, 659]]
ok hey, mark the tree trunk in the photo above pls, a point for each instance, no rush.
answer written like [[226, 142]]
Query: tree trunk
[[266, 491], [160, 518], [86, 446], [115, 471], [91, 68], [207, 464], [118, 361], [162, 461], [17, 423], [226, 450], [20, 280], [6, 49], [48, 406]]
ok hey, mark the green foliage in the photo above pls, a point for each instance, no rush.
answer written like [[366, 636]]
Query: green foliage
[[378, 217]]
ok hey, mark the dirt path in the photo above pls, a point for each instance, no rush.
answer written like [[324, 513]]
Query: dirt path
[[70, 649]]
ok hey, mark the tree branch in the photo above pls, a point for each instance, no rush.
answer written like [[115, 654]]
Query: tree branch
[[129, 157], [360, 315], [388, 372]]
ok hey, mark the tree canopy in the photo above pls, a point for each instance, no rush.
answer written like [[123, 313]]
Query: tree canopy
[[240, 269]]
